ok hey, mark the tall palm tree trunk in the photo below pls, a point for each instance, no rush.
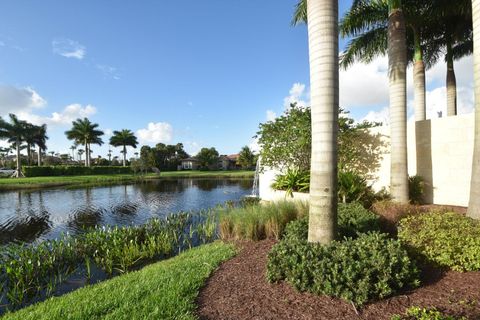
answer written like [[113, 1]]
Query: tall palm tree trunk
[[451, 83], [18, 172], [124, 156], [39, 157], [86, 154], [323, 49], [419, 80], [397, 65], [474, 205]]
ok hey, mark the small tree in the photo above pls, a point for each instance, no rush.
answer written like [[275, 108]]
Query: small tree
[[246, 158], [208, 157]]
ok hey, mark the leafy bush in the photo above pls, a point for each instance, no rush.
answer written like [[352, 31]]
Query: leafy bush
[[49, 171], [294, 180], [449, 239], [417, 313], [353, 219], [415, 189], [257, 222], [352, 187], [358, 270]]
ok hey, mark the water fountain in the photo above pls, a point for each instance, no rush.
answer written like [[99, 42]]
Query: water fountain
[[255, 191]]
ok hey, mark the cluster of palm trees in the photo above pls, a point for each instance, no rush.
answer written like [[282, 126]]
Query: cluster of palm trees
[[23, 134], [408, 31], [84, 132]]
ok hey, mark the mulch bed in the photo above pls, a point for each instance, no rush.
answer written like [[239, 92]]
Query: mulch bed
[[239, 290]]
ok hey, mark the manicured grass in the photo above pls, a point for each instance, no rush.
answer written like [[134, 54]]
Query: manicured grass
[[48, 182], [165, 290]]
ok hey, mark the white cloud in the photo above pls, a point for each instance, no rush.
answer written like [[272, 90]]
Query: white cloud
[[364, 85], [271, 115], [191, 147], [68, 48], [298, 94], [13, 99], [382, 116], [108, 71], [156, 133], [64, 117]]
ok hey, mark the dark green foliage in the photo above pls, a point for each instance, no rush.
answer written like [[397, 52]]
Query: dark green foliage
[[368, 268], [208, 158], [417, 313], [446, 239], [162, 156], [246, 158], [353, 219], [294, 180], [51, 171], [352, 187], [415, 189]]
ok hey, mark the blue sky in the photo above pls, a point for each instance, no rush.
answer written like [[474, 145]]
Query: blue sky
[[204, 73]]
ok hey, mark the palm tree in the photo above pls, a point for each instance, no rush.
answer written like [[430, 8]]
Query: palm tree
[[322, 16], [41, 141], [73, 148], [80, 152], [123, 139], [397, 68], [474, 204], [86, 133], [29, 138], [14, 131]]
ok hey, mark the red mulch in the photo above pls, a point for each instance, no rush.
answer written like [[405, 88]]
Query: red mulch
[[239, 290]]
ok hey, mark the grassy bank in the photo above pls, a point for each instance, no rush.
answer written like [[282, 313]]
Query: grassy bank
[[165, 290], [7, 184]]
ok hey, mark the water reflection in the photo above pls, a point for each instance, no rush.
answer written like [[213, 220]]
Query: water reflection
[[36, 215]]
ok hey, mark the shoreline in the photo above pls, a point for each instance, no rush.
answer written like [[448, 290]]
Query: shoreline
[[35, 183]]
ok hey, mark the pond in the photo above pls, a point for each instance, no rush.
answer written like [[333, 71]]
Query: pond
[[29, 216]]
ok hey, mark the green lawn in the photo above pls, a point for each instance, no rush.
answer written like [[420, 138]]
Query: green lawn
[[165, 290], [46, 182]]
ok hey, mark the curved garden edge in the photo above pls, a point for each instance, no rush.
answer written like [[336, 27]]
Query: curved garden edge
[[239, 290], [164, 290]]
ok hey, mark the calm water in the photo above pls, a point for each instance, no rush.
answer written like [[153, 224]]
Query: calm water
[[37, 215]]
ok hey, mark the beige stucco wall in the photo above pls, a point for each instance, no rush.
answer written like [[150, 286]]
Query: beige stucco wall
[[442, 157], [266, 192]]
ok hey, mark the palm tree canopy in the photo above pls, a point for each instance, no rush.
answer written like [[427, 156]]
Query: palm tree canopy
[[124, 137], [84, 131], [13, 131]]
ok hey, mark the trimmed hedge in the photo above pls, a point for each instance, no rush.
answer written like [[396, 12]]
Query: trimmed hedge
[[446, 239], [368, 268], [52, 171]]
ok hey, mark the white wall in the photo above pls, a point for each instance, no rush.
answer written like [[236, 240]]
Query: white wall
[[442, 156], [443, 159]]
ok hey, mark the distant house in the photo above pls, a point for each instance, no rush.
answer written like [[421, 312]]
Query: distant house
[[228, 162], [189, 164]]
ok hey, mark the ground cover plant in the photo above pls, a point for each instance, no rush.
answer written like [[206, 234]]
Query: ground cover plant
[[365, 265], [148, 293], [417, 313], [30, 272], [447, 240], [51, 171], [367, 268]]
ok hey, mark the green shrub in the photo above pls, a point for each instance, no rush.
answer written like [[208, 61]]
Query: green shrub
[[415, 189], [294, 180], [353, 219], [50, 171], [370, 267], [448, 239], [353, 187], [417, 313]]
